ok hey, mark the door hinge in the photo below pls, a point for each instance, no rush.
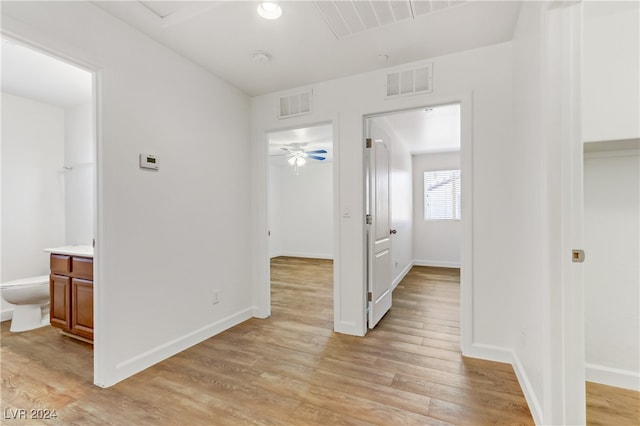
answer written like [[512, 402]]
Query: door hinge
[[369, 219], [368, 143], [369, 297], [577, 256]]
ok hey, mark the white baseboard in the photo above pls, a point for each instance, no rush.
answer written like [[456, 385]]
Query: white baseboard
[[437, 263], [304, 255], [500, 354], [527, 389], [401, 275], [348, 327], [153, 356], [261, 313], [6, 315], [490, 353], [626, 379]]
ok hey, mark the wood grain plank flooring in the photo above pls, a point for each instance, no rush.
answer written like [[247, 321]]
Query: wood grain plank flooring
[[608, 405], [290, 369]]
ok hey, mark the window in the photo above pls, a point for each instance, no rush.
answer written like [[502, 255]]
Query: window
[[442, 195]]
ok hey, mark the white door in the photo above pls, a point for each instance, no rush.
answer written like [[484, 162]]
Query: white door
[[378, 230]]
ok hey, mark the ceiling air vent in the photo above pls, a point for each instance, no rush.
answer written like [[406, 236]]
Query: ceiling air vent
[[346, 18], [296, 104], [412, 81]]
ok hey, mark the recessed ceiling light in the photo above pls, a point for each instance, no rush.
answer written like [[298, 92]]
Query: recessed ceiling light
[[269, 10]]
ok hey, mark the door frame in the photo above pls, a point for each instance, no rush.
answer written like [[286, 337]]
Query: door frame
[[265, 290], [29, 40], [466, 198], [564, 378]]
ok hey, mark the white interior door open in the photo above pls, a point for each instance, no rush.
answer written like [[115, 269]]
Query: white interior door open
[[378, 230]]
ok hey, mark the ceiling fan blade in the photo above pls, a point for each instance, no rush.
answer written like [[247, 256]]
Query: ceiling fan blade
[[286, 149], [315, 157], [279, 155], [316, 151]]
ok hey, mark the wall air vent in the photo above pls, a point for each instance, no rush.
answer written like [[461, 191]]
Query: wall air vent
[[409, 81], [296, 104]]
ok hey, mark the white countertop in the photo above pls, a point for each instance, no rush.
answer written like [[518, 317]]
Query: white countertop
[[84, 251]]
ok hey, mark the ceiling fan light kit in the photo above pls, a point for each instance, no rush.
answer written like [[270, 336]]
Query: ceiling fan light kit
[[298, 157], [297, 161]]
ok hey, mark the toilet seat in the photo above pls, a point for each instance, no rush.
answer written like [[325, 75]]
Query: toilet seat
[[25, 282]]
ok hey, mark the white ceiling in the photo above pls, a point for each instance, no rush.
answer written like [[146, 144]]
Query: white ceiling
[[426, 130], [223, 36], [305, 47], [34, 75]]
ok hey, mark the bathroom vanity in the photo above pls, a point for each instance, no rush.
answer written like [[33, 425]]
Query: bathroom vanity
[[71, 290]]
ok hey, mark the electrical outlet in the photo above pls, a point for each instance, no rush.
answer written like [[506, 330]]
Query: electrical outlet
[[216, 297]]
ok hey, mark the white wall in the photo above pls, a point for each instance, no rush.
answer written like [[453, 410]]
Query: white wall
[[32, 187], [166, 240], [273, 198], [546, 298], [79, 183], [611, 89], [436, 243], [301, 215], [612, 273], [486, 74], [611, 114], [528, 208]]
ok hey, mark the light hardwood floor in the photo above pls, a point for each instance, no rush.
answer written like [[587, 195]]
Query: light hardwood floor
[[288, 369], [610, 406]]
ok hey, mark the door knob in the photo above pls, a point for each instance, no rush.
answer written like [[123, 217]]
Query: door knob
[[393, 231]]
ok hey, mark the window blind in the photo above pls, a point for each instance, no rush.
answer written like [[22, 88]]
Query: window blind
[[442, 195]]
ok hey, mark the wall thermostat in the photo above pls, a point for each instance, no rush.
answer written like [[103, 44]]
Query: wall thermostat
[[148, 161]]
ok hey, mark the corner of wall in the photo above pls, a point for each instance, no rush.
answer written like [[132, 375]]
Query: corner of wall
[[155, 355], [348, 327], [506, 355], [401, 276], [529, 393]]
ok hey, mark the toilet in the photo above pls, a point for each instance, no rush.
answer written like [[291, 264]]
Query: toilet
[[31, 299]]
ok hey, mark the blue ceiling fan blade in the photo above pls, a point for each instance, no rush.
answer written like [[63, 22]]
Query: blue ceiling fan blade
[[315, 157], [317, 151]]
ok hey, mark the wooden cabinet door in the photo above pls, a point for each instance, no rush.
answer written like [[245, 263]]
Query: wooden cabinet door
[[60, 310], [82, 309]]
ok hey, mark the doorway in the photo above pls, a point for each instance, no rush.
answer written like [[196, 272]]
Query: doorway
[[48, 159], [300, 194], [611, 210], [428, 228]]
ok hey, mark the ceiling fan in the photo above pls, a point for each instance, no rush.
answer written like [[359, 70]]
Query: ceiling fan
[[298, 156]]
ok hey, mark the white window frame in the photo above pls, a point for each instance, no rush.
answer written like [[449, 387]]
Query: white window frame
[[452, 211]]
